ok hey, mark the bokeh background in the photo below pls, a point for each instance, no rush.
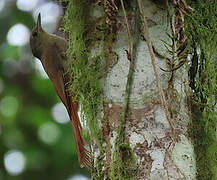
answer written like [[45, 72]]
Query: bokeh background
[[36, 138]]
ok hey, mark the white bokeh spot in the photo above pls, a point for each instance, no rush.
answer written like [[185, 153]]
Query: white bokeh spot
[[2, 5], [14, 162], [49, 133], [18, 35], [49, 19], [60, 114], [39, 68], [78, 177], [26, 5]]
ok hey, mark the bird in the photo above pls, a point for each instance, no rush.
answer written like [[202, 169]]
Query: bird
[[51, 49]]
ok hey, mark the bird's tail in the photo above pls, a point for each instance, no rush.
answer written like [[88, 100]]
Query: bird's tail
[[83, 153]]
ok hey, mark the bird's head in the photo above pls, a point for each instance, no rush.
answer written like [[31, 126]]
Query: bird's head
[[36, 39]]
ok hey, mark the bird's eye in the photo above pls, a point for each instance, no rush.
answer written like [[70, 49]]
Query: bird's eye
[[34, 34]]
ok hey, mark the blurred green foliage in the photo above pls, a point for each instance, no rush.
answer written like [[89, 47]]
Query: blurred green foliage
[[25, 106]]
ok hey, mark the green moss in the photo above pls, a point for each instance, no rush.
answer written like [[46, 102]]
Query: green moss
[[85, 70], [203, 133], [201, 30], [123, 165], [98, 173]]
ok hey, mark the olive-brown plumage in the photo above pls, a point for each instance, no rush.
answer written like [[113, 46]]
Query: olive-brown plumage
[[51, 49]]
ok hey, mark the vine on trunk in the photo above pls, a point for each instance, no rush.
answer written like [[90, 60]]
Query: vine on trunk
[[123, 164]]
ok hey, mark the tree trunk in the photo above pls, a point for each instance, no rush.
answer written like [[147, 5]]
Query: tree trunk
[[149, 150], [134, 139]]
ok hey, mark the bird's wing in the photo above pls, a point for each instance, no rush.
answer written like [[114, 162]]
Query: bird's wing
[[60, 79]]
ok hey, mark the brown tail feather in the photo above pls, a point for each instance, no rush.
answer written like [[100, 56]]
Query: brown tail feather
[[83, 154]]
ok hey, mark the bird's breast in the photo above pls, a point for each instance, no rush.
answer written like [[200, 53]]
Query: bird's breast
[[50, 67]]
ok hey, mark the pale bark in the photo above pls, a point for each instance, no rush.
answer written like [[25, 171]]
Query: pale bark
[[158, 154]]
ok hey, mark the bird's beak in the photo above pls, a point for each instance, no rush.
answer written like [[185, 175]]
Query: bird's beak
[[39, 22]]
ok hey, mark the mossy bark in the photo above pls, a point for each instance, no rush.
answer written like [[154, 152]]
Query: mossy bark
[[147, 149], [201, 28]]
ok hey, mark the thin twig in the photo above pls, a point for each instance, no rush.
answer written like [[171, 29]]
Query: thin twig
[[128, 29], [147, 37], [130, 73]]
